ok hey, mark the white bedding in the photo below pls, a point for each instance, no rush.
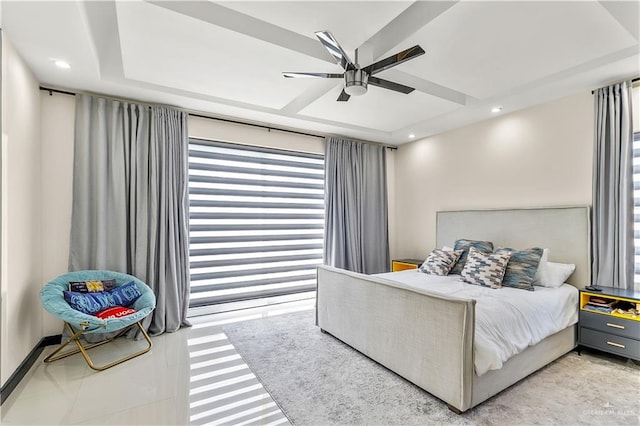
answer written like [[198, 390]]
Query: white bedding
[[508, 320]]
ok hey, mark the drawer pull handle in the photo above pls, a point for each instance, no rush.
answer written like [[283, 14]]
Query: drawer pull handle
[[617, 345], [621, 327]]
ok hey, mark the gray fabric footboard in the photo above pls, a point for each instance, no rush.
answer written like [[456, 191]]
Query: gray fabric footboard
[[424, 337]]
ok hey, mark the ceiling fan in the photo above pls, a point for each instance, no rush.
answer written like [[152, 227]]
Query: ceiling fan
[[356, 79]]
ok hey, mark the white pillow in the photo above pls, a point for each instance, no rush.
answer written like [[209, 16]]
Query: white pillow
[[447, 248], [557, 274], [542, 267]]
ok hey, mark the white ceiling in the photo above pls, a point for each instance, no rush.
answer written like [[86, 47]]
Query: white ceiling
[[226, 58]]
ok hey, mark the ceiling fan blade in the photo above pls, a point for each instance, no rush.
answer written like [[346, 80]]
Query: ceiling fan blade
[[311, 74], [386, 84], [394, 60], [335, 50], [343, 96]]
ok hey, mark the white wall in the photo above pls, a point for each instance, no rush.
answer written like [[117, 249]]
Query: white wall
[[541, 156], [58, 115], [21, 211]]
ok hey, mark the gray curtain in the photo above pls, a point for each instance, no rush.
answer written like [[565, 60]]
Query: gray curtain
[[356, 223], [130, 200], [612, 224]]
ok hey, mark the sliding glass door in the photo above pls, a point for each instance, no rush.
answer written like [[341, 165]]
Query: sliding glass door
[[256, 222]]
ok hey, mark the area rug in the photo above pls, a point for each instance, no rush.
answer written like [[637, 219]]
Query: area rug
[[318, 380]]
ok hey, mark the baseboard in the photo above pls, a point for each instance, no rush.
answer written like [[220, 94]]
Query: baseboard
[[26, 364]]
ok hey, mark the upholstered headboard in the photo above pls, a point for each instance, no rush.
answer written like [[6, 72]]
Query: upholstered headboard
[[565, 231]]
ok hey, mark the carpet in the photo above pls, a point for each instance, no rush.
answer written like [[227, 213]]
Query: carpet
[[318, 380]]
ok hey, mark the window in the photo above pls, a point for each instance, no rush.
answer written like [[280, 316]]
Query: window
[[256, 222], [636, 204]]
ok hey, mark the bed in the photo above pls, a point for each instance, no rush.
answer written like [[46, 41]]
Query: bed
[[427, 337]]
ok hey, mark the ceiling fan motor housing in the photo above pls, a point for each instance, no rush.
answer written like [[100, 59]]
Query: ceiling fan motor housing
[[355, 82]]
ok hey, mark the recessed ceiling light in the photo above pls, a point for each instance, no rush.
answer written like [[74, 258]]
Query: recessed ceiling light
[[62, 64], [411, 136], [496, 109]]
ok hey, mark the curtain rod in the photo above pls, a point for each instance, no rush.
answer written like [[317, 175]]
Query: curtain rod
[[269, 128], [227, 120], [52, 91], [102, 95], [633, 80]]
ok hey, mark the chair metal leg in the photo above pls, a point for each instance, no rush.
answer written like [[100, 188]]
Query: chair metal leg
[[75, 337]]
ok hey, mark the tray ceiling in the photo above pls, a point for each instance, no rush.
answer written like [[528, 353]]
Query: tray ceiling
[[226, 58]]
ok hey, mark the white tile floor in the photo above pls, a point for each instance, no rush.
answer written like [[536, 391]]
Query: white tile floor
[[193, 376]]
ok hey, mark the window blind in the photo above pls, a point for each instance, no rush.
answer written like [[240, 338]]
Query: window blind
[[636, 204], [256, 222]]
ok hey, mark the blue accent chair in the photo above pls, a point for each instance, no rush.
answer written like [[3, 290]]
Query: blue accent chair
[[78, 323]]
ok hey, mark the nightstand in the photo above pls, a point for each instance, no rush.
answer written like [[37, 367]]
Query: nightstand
[[613, 332], [402, 264]]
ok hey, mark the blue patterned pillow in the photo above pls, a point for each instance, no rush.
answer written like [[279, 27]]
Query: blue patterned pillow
[[465, 245], [485, 269], [440, 262], [522, 267], [126, 294], [89, 303], [92, 303]]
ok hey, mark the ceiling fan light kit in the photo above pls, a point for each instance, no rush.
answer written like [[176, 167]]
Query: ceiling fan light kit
[[355, 82], [356, 79]]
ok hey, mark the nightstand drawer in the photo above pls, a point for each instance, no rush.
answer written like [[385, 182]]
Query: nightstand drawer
[[610, 343], [610, 324]]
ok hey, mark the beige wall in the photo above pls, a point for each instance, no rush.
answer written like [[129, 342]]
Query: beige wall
[[21, 211], [536, 157], [58, 115], [204, 128]]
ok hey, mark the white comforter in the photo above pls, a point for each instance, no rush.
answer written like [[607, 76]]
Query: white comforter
[[508, 320]]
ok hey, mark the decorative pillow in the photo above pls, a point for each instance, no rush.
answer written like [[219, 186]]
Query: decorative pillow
[[92, 303], [89, 303], [522, 267], [557, 274], [115, 312], [126, 294], [440, 262], [92, 286], [464, 245], [485, 269]]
